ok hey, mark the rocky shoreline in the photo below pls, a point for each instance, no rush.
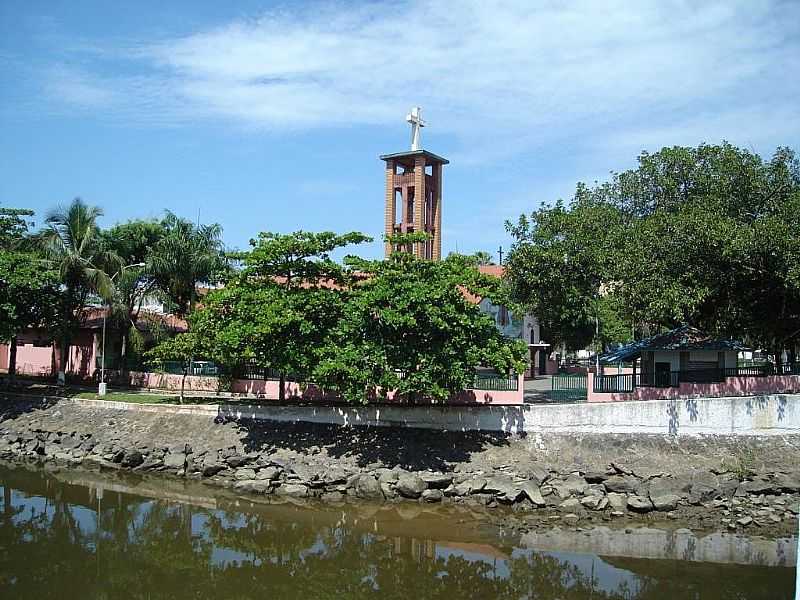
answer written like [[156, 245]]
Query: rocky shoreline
[[524, 482]]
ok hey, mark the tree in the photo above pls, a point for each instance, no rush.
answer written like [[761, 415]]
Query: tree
[[185, 256], [706, 235], [408, 326], [29, 293], [14, 225], [70, 243], [133, 242], [276, 313], [483, 258], [182, 348], [558, 263]]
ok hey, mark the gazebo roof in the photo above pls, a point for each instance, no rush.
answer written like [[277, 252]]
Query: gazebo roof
[[683, 338]]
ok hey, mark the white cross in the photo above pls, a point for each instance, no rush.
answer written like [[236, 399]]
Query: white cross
[[415, 119]]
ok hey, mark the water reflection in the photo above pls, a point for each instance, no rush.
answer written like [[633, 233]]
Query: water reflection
[[63, 540]]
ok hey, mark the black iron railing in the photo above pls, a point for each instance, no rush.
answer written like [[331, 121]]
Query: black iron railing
[[665, 379], [496, 382]]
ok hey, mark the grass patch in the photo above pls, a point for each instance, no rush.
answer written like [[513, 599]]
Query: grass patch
[[138, 398]]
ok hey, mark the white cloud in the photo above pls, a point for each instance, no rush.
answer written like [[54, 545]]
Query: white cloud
[[502, 76]]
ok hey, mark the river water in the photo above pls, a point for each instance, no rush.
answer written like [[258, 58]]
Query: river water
[[82, 535]]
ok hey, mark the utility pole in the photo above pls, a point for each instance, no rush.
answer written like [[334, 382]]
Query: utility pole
[[500, 253]]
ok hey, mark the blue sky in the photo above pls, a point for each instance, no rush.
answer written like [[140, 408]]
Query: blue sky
[[271, 116]]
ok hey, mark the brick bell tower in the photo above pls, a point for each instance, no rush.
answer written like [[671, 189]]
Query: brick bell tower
[[414, 193]]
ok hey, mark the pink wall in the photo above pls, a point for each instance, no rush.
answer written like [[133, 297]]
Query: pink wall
[[732, 386], [268, 389], [38, 360]]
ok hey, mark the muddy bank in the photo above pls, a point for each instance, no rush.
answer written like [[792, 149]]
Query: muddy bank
[[524, 483]]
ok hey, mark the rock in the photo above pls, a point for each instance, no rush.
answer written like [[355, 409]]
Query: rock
[[788, 484], [410, 486], [503, 488], [705, 487], [150, 463], [757, 486], [432, 495], [388, 489], [571, 519], [477, 485], [253, 486], [175, 461], [387, 475], [728, 484], [237, 460], [132, 459], [665, 502], [294, 490], [536, 473], [639, 504], [744, 521], [621, 484], [460, 489], [533, 493], [571, 504], [334, 476], [211, 469], [592, 502], [244, 474], [68, 442], [268, 473], [117, 456], [572, 485], [595, 476], [437, 481], [367, 487], [665, 492]]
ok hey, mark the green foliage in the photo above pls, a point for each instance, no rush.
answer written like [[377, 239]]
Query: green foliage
[[184, 256], [408, 326], [14, 226], [29, 294], [706, 235], [133, 242], [71, 242], [558, 263], [277, 312], [181, 348]]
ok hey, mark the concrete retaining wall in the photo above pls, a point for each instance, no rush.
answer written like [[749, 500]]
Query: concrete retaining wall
[[756, 415]]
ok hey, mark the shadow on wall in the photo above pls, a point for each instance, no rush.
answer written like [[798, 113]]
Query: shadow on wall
[[758, 410], [408, 448]]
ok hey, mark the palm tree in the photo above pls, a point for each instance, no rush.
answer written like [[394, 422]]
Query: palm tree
[[187, 255], [133, 241], [70, 241]]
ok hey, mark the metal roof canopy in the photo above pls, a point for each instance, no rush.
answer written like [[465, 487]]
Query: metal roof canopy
[[684, 338]]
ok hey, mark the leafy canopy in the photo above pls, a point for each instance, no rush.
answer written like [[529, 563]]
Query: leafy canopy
[[408, 326], [706, 235]]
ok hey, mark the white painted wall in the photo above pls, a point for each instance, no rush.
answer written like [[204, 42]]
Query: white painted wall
[[777, 414]]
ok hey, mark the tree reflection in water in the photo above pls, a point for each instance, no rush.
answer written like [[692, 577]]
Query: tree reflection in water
[[68, 541]]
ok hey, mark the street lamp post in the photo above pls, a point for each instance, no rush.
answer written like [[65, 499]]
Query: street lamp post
[[101, 388]]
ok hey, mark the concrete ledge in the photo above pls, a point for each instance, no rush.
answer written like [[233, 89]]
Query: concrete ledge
[[754, 415]]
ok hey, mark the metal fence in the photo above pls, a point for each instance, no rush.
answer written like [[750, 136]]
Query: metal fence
[[665, 379], [496, 382], [568, 387]]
